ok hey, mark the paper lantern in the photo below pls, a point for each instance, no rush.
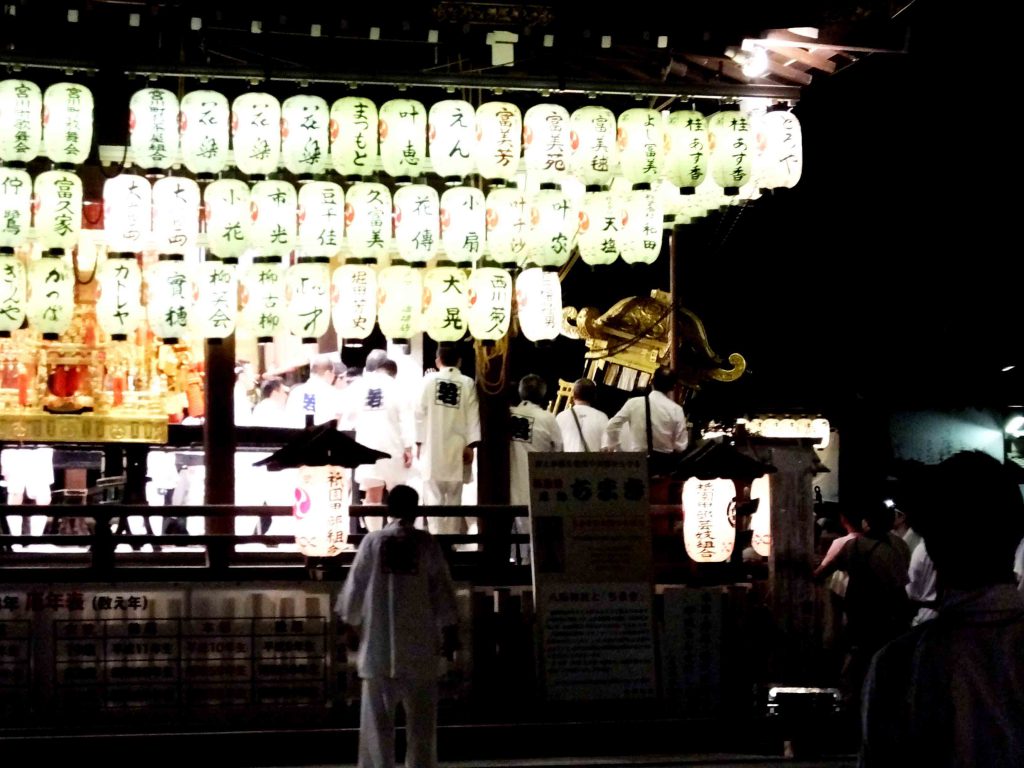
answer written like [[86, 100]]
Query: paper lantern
[[119, 298], [445, 303], [21, 129], [602, 228], [731, 142], [686, 157], [58, 209], [273, 211], [641, 243], [170, 297], [780, 159], [304, 135], [546, 142], [13, 297], [539, 303], [508, 224], [67, 124], [463, 223], [321, 218], [227, 215], [592, 143], [451, 136], [15, 207], [204, 130], [51, 296], [761, 521], [554, 219], [256, 134], [399, 299], [368, 220], [153, 128], [354, 296], [308, 297], [263, 299], [127, 213], [402, 127], [490, 303], [175, 214], [499, 141], [641, 142], [417, 222], [353, 133], [708, 534], [216, 310], [321, 510]]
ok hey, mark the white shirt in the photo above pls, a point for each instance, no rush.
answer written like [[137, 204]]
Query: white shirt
[[447, 420], [379, 414], [592, 424], [317, 397], [271, 413], [922, 585], [533, 430], [627, 429]]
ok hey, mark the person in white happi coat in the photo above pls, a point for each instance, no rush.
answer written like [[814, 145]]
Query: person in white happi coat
[[317, 396], [628, 430], [581, 423], [399, 596], [532, 429], [447, 433]]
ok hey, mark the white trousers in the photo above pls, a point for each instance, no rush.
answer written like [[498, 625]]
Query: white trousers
[[381, 696]]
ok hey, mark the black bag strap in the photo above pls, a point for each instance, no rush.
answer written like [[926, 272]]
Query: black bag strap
[[579, 429]]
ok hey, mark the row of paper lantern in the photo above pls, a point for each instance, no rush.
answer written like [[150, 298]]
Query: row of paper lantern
[[709, 531], [305, 135]]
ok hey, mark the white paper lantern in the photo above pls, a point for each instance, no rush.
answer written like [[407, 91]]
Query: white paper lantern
[[451, 135], [463, 223], [216, 310], [508, 225], [21, 129], [402, 128], [399, 299], [153, 128], [175, 214], [321, 510], [51, 295], [780, 157], [641, 243], [13, 298], [554, 219], [170, 297], [127, 213], [354, 297], [58, 209], [353, 132], [602, 228], [499, 141], [273, 210], [417, 222], [445, 303], [256, 134], [263, 299], [686, 161], [204, 130], [761, 521], [731, 141], [321, 218], [227, 215], [490, 303], [67, 123], [708, 535], [368, 220], [119, 298], [539, 303], [304, 135], [308, 297], [546, 142], [15, 207], [593, 145], [641, 142]]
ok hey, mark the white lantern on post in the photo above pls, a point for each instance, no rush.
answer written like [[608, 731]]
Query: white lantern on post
[[175, 214], [204, 128], [546, 142], [686, 161], [644, 227], [353, 132], [21, 129], [602, 228], [273, 213], [51, 297], [354, 296], [304, 135], [67, 124], [761, 524], [227, 214], [463, 224], [641, 141], [708, 534], [402, 126], [593, 144], [263, 299], [321, 510], [780, 160], [417, 223], [445, 302], [508, 225], [451, 136], [170, 297], [153, 129], [490, 303], [12, 291], [499, 141], [308, 297], [15, 207], [256, 134], [127, 213], [554, 220], [216, 309], [731, 141], [321, 218], [368, 220], [399, 302], [539, 303], [58, 210], [119, 298]]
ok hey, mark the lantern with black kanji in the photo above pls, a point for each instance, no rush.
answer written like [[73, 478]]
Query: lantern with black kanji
[[354, 297], [170, 297], [445, 302], [490, 303], [602, 228], [539, 303], [119, 298], [153, 129], [463, 224], [15, 207], [399, 302], [402, 126], [227, 214], [273, 208], [417, 223], [546, 142], [58, 210], [256, 134], [308, 296], [353, 136], [554, 219], [205, 133], [67, 124], [368, 220], [21, 129], [732, 143], [127, 213], [304, 135], [780, 158], [593, 147], [263, 298], [216, 310], [641, 142], [13, 299], [175, 215], [499, 141], [451, 135], [321, 218], [51, 294], [641, 241], [761, 524], [709, 528], [508, 225], [686, 144]]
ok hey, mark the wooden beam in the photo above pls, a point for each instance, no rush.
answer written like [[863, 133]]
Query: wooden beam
[[779, 69], [720, 64], [802, 55]]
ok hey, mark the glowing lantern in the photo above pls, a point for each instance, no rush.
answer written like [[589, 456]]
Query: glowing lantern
[[15, 207], [554, 220], [761, 524], [641, 243], [263, 299], [451, 135], [216, 310], [445, 303], [686, 161], [321, 218], [170, 297], [273, 212], [119, 301], [227, 215], [399, 299], [153, 128], [67, 124], [602, 228], [508, 225], [641, 141], [51, 298], [402, 127], [708, 533], [731, 141], [490, 303], [368, 220], [127, 213], [539, 303], [21, 130], [304, 135], [354, 289], [592, 141], [321, 510], [546, 142], [175, 214], [353, 132], [308, 294], [256, 134], [416, 223], [779, 161], [204, 127], [12, 291], [463, 223], [499, 137], [58, 210]]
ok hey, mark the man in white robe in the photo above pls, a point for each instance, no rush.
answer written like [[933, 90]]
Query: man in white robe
[[581, 423]]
